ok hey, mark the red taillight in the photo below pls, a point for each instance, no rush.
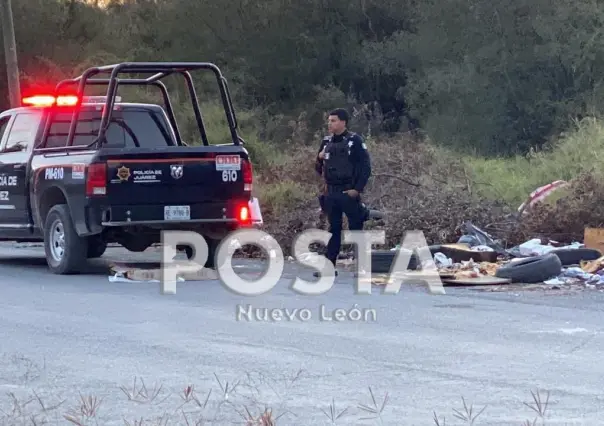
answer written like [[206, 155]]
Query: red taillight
[[244, 214], [49, 100], [248, 175], [96, 179]]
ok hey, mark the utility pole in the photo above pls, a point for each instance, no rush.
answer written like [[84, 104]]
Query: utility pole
[[10, 53]]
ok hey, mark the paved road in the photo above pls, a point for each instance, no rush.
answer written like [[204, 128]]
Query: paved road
[[62, 336]]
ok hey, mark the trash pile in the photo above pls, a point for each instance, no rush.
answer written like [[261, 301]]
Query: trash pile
[[478, 255], [465, 269], [590, 274]]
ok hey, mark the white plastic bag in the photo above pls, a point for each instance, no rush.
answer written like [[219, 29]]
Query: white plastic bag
[[441, 260], [534, 248]]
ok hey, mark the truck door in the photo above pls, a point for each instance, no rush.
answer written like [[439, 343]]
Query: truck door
[[15, 149]]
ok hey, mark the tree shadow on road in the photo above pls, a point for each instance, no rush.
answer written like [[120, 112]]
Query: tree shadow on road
[[31, 262]]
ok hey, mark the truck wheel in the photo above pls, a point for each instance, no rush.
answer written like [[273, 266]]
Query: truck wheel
[[212, 248], [66, 251], [96, 247]]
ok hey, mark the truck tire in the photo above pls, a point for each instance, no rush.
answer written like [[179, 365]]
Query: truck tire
[[96, 247], [530, 270], [212, 249], [66, 251]]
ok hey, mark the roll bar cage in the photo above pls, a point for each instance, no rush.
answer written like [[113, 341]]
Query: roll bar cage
[[159, 71]]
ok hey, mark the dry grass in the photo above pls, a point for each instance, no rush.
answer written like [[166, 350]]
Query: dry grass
[[255, 400], [195, 409], [84, 412]]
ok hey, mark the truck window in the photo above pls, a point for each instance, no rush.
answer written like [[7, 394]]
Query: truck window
[[3, 125], [23, 131], [146, 127]]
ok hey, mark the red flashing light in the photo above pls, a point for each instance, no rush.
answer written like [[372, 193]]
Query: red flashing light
[[96, 179], [49, 100], [39, 100], [70, 100]]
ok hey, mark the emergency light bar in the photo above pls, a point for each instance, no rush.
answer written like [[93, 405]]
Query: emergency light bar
[[48, 100], [65, 100]]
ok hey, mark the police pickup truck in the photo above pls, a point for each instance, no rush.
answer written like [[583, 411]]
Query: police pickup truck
[[80, 172]]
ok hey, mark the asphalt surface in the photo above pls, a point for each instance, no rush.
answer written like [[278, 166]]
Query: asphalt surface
[[63, 337]]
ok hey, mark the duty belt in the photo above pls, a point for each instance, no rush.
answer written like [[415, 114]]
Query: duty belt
[[339, 187]]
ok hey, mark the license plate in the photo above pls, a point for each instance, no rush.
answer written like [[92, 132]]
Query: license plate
[[177, 213], [228, 162]]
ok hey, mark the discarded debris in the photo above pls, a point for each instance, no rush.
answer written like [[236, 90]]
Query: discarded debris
[[478, 239], [536, 247], [465, 269], [541, 194], [124, 277], [477, 281], [530, 270], [593, 266], [576, 275], [151, 272]]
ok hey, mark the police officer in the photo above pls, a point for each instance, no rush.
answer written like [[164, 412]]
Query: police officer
[[344, 163]]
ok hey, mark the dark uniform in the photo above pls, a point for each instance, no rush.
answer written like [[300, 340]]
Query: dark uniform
[[346, 166]]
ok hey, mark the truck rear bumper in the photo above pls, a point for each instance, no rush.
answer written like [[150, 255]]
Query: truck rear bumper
[[160, 215], [168, 223]]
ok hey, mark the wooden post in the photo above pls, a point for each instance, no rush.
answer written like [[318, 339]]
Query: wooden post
[[10, 53]]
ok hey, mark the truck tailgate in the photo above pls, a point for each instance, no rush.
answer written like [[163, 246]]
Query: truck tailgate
[[177, 175]]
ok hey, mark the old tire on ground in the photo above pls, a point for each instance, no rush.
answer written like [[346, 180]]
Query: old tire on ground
[[383, 260], [96, 247], [575, 256], [66, 251], [531, 270], [435, 249]]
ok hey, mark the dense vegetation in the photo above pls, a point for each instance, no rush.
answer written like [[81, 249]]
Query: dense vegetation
[[494, 77], [473, 76]]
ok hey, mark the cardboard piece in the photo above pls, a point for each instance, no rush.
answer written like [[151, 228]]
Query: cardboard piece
[[383, 279], [477, 281], [593, 266], [593, 238], [463, 252]]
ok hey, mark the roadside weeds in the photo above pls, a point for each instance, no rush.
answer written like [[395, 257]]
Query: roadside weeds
[[235, 403]]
